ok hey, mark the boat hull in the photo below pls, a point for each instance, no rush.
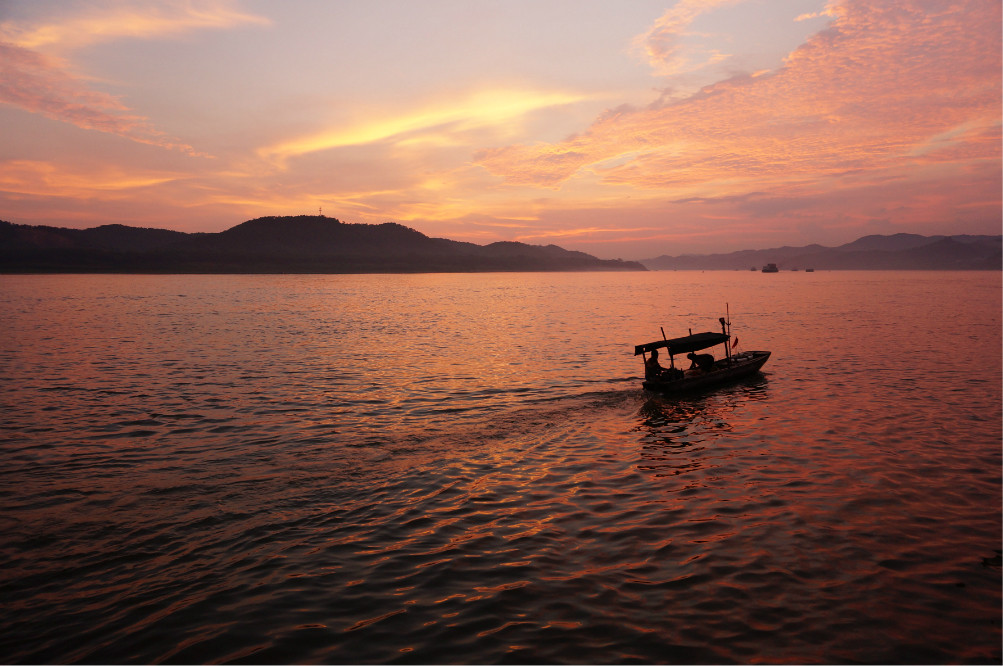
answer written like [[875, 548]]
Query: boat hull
[[741, 365]]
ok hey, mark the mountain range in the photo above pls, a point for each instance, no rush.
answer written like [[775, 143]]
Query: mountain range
[[894, 252], [301, 244], [318, 244]]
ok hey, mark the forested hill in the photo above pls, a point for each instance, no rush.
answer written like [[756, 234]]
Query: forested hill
[[303, 244], [894, 252]]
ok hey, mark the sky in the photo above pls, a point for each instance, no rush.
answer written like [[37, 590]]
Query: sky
[[621, 129]]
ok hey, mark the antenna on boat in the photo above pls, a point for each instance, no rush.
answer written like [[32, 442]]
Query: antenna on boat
[[726, 326], [672, 358]]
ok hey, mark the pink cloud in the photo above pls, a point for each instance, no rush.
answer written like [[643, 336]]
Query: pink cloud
[[36, 83], [881, 85], [33, 78], [661, 44]]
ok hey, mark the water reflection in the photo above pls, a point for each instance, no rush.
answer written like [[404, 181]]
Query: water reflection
[[275, 469], [676, 429]]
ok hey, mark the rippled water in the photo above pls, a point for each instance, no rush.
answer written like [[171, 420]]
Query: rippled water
[[463, 468]]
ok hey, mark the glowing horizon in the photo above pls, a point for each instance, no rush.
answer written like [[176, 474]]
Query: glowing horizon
[[623, 131]]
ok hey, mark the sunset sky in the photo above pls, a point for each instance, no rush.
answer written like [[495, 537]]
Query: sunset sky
[[623, 129]]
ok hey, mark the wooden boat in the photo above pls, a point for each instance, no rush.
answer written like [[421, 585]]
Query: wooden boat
[[673, 380]]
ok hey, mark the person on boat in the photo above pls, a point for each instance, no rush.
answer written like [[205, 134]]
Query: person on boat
[[652, 368], [703, 361]]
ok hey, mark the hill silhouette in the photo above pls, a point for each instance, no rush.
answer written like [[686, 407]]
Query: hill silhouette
[[300, 244], [876, 252]]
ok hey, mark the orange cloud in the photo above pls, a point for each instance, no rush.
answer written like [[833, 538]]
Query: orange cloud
[[38, 178], [431, 125], [149, 19], [883, 84]]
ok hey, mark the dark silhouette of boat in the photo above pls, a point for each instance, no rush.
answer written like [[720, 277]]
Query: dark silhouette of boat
[[673, 380], [771, 268]]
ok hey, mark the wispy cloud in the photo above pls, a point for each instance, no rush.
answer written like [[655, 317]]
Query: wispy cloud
[[430, 125], [33, 82], [831, 11], [102, 22], [662, 44], [36, 76], [50, 179]]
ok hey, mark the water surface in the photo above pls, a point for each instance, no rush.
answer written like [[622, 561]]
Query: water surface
[[463, 468]]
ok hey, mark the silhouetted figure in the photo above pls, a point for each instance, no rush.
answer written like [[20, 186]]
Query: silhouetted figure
[[652, 368], [703, 361]]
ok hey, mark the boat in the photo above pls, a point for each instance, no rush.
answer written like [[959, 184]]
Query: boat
[[809, 270], [716, 371], [771, 268]]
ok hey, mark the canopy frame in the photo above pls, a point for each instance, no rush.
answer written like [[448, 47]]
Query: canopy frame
[[685, 344]]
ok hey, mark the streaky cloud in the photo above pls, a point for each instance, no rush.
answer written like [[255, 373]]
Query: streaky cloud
[[35, 83], [430, 124], [102, 22], [35, 76], [36, 178]]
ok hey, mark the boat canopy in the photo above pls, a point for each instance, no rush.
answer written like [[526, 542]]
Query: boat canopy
[[684, 345]]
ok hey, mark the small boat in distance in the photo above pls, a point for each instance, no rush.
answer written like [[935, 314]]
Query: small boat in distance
[[771, 268], [704, 371]]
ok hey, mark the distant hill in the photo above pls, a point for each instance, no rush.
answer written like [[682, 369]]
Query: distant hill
[[895, 252], [303, 244]]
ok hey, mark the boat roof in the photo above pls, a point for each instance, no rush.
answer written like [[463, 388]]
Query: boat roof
[[683, 345]]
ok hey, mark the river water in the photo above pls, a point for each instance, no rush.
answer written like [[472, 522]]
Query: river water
[[464, 469]]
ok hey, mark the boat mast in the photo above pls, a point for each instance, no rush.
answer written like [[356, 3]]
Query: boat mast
[[726, 329], [672, 359]]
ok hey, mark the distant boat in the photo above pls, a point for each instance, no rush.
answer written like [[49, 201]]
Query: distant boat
[[771, 268], [809, 270], [710, 373]]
